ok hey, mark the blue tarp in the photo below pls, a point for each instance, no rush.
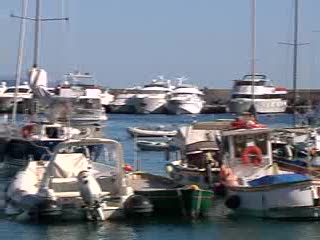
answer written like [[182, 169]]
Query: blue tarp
[[275, 179]]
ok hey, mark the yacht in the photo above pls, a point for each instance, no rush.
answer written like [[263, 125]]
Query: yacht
[[123, 103], [85, 96], [185, 98], [24, 98], [266, 97], [152, 98]]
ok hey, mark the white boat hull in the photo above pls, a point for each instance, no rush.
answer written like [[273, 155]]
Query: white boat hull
[[262, 106], [150, 105], [138, 132], [293, 200], [184, 107]]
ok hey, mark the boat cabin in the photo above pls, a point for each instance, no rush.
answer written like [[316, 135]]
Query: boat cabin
[[247, 151], [200, 154]]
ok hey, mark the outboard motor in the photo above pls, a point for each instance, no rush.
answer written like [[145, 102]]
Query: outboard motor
[[138, 205], [90, 192]]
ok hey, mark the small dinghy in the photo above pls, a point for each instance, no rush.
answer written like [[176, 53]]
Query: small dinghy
[[151, 132], [155, 145]]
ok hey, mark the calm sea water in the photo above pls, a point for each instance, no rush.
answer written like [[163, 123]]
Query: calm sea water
[[219, 225]]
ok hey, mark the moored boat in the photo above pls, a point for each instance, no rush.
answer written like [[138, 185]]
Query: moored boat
[[169, 198], [73, 184], [256, 186], [151, 132], [155, 145]]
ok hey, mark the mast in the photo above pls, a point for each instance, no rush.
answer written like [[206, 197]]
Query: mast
[[24, 5], [37, 34], [253, 45], [295, 58]]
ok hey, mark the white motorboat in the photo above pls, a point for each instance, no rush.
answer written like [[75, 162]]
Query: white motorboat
[[151, 132], [75, 183], [185, 99], [266, 97], [152, 98], [256, 186], [85, 97], [24, 98]]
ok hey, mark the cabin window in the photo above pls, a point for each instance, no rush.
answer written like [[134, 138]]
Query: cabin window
[[52, 132], [261, 142], [240, 143]]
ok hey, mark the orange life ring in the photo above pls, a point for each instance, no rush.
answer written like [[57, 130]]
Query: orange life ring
[[247, 155]]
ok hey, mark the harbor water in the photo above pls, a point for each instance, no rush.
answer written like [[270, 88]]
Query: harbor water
[[220, 224]]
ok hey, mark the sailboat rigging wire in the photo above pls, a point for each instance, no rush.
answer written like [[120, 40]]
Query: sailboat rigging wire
[[24, 4]]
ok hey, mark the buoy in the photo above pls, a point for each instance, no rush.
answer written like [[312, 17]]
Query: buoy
[[194, 187], [128, 168]]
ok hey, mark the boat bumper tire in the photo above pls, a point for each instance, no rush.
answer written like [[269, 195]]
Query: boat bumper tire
[[233, 202]]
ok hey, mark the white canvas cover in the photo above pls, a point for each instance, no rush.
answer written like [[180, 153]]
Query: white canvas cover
[[69, 165]]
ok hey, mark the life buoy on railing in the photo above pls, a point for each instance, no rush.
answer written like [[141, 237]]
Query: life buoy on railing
[[252, 154]]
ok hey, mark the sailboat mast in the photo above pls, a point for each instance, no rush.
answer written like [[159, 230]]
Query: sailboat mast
[[295, 56], [37, 35], [20, 57], [253, 45]]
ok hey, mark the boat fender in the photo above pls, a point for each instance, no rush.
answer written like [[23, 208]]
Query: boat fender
[[169, 168], [252, 151], [90, 189], [233, 202], [138, 205], [128, 168], [193, 187]]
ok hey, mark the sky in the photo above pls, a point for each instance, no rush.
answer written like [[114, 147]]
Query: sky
[[124, 43]]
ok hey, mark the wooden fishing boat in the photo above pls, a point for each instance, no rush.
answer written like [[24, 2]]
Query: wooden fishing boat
[[151, 132], [169, 198], [200, 165], [256, 186]]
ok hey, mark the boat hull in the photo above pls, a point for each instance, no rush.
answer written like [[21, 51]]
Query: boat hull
[[185, 202], [183, 107], [261, 106], [188, 176], [287, 200], [147, 105], [138, 132]]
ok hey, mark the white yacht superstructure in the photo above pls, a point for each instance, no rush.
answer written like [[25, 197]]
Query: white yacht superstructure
[[266, 97], [185, 98], [153, 97], [24, 98], [85, 97]]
